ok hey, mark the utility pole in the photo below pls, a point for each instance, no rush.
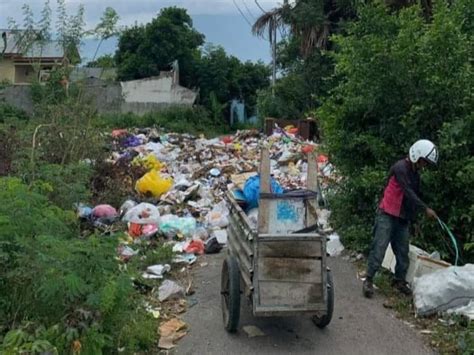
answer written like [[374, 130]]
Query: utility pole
[[274, 55]]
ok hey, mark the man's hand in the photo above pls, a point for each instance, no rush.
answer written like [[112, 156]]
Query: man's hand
[[431, 214]]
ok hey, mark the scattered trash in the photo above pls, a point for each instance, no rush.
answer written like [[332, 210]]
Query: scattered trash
[[252, 190], [212, 246], [185, 258], [156, 271], [152, 183], [218, 217], [221, 235], [334, 246], [421, 263], [171, 225], [170, 332], [169, 289], [126, 252], [444, 289], [104, 211], [253, 331], [196, 246], [144, 213]]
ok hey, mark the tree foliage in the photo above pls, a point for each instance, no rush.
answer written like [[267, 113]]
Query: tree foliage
[[403, 79], [145, 50]]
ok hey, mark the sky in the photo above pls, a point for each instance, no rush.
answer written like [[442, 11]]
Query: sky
[[219, 20]]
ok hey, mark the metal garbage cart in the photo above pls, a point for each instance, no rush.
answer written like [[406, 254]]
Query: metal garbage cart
[[279, 266]]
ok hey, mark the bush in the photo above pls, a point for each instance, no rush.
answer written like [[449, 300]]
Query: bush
[[403, 79], [177, 119], [59, 293]]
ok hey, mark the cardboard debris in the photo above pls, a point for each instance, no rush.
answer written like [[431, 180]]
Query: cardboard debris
[[170, 332]]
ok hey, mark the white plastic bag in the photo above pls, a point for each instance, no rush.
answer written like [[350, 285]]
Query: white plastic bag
[[169, 289], [444, 289], [334, 245], [218, 217], [144, 213]]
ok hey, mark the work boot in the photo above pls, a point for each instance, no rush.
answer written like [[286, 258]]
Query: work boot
[[368, 288], [402, 286]]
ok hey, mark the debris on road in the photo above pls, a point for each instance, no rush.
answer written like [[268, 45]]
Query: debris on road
[[253, 331], [170, 332], [169, 289]]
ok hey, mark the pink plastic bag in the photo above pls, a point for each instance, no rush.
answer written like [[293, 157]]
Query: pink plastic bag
[[195, 247], [101, 211]]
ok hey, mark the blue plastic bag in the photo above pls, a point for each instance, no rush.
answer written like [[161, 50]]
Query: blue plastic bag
[[252, 190]]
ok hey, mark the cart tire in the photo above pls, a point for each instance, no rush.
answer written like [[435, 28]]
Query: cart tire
[[230, 294], [322, 322]]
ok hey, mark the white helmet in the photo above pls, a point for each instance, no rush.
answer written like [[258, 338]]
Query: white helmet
[[424, 149]]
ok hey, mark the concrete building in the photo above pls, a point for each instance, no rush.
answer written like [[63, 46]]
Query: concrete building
[[22, 60]]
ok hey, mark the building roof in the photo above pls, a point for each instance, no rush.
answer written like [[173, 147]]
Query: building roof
[[14, 39]]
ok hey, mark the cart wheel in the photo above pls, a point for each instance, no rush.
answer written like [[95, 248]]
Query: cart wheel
[[322, 322], [230, 294]]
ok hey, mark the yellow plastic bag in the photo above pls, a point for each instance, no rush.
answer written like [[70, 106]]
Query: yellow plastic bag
[[150, 162], [153, 183]]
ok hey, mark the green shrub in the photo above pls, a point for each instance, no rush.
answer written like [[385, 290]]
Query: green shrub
[[403, 79], [59, 291], [177, 119]]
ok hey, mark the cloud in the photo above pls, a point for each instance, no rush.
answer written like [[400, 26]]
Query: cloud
[[140, 11]]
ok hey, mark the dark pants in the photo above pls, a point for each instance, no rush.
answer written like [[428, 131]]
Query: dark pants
[[393, 230]]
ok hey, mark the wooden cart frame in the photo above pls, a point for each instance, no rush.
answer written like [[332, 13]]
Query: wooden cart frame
[[281, 265]]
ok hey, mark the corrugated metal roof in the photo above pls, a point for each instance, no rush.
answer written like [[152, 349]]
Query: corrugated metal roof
[[51, 49]]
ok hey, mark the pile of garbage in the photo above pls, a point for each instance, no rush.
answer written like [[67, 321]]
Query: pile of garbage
[[179, 199]]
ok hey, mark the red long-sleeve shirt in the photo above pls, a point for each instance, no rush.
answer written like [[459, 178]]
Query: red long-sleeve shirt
[[401, 195]]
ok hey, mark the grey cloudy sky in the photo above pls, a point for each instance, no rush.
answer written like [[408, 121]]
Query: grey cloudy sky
[[132, 11], [219, 20]]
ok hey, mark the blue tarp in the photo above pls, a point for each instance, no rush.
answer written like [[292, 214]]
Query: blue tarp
[[252, 190]]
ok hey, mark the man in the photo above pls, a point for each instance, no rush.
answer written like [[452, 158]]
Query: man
[[398, 207]]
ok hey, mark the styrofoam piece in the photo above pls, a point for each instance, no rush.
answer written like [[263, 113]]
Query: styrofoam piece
[[420, 263]]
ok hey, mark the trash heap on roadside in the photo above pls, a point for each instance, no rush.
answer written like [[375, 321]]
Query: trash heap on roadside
[[179, 199]]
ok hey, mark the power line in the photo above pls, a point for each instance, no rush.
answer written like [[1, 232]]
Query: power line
[[248, 10], [260, 7], [241, 13]]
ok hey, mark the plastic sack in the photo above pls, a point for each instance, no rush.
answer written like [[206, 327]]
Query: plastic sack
[[444, 289], [218, 217], [142, 230], [83, 211], [126, 206], [153, 183], [144, 213], [196, 246], [169, 289], [171, 225], [252, 190], [212, 246], [104, 211], [150, 162], [334, 246]]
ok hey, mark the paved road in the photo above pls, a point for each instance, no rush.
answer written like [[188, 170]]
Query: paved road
[[359, 326]]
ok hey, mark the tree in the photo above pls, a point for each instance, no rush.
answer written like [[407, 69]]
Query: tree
[[145, 50], [402, 80], [227, 78], [105, 61]]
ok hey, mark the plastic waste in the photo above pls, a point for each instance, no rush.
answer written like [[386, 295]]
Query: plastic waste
[[83, 211], [171, 225], [218, 217], [156, 271], [334, 245], [169, 289], [126, 252], [196, 246], [126, 206], [201, 233], [215, 172], [144, 213], [444, 289], [101, 211], [252, 190], [116, 133], [185, 258], [142, 230], [253, 217], [149, 162], [221, 235], [132, 141], [212, 246], [154, 184]]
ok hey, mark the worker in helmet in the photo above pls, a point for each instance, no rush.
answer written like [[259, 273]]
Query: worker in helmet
[[398, 207]]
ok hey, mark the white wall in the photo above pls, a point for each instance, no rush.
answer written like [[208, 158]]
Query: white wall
[[160, 90]]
